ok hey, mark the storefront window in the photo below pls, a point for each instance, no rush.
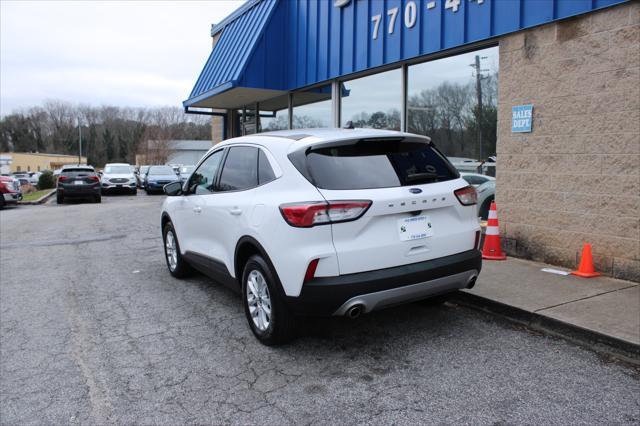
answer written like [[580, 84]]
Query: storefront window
[[374, 101], [443, 103], [274, 114], [274, 120], [312, 108]]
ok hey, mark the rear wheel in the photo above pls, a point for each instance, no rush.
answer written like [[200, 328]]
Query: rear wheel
[[2, 202], [97, 199], [59, 198], [178, 267], [269, 318]]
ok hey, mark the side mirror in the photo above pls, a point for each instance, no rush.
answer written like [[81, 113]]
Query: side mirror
[[172, 189]]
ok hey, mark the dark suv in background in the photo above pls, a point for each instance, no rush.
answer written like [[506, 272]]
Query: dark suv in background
[[78, 181]]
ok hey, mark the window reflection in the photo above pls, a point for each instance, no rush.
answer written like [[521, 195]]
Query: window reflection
[[443, 103], [374, 101], [312, 108], [274, 114]]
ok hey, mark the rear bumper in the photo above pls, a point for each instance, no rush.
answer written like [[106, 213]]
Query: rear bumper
[[79, 191], [386, 287]]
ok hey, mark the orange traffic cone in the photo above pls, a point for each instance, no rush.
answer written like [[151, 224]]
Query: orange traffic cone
[[491, 249], [586, 269]]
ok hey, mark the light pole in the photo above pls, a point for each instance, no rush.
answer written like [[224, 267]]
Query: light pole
[[479, 78], [79, 142]]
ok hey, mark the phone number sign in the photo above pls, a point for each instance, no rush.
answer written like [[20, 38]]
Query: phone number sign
[[521, 118]]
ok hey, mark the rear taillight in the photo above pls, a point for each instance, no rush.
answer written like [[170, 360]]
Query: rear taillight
[[3, 187], [311, 270], [305, 215], [467, 195], [94, 178], [62, 178]]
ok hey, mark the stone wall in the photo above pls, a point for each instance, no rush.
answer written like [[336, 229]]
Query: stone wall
[[576, 177]]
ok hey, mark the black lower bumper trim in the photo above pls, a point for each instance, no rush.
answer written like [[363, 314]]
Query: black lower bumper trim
[[324, 295]]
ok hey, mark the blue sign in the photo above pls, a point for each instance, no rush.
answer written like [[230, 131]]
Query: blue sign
[[521, 118]]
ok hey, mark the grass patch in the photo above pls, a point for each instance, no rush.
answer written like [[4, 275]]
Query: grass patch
[[35, 195]]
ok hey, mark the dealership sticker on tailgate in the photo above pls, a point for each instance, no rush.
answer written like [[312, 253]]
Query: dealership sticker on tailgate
[[415, 228]]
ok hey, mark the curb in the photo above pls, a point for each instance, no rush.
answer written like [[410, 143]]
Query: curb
[[40, 200], [598, 342]]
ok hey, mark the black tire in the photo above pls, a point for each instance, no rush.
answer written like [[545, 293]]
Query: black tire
[[2, 202], [281, 325], [97, 199], [59, 199], [182, 269], [135, 192]]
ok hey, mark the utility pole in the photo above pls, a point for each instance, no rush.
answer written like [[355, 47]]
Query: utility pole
[[79, 142], [479, 78]]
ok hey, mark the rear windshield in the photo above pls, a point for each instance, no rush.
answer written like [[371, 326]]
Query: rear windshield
[[161, 170], [78, 172], [377, 164], [117, 170]]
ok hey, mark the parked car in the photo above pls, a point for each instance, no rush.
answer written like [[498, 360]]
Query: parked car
[[10, 192], [323, 222], [185, 172], [486, 194], [78, 181], [141, 175], [118, 177], [158, 177], [34, 177], [475, 179]]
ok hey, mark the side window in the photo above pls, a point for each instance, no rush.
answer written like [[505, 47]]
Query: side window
[[240, 170], [265, 172], [203, 178]]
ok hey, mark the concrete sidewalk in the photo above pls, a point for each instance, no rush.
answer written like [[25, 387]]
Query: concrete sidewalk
[[606, 308]]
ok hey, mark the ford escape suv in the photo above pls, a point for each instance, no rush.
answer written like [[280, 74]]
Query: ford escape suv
[[323, 222]]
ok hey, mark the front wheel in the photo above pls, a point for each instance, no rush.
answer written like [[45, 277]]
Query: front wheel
[[59, 199], [178, 267], [269, 318]]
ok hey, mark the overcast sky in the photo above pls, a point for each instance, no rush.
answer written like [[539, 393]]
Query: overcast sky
[[133, 53]]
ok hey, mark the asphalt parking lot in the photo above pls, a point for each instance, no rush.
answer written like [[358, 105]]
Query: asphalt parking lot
[[94, 330]]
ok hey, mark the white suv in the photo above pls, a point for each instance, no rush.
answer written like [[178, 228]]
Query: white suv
[[118, 177], [323, 222]]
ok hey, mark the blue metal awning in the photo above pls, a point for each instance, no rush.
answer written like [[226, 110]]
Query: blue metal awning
[[227, 80]]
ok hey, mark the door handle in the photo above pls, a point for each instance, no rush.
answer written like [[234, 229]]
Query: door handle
[[235, 211], [197, 209]]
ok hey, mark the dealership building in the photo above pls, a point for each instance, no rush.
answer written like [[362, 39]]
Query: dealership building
[[545, 92]]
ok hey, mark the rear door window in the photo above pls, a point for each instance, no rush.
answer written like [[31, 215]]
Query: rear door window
[[377, 164], [240, 170]]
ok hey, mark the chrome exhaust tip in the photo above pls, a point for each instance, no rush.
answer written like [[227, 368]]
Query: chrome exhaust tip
[[355, 311], [472, 281]]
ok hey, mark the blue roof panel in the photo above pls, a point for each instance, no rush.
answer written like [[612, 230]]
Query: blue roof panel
[[232, 51]]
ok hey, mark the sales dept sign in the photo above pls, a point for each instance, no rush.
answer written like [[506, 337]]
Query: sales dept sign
[[521, 118]]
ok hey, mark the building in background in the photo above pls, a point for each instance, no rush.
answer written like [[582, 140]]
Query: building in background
[[36, 162], [550, 89], [186, 152]]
